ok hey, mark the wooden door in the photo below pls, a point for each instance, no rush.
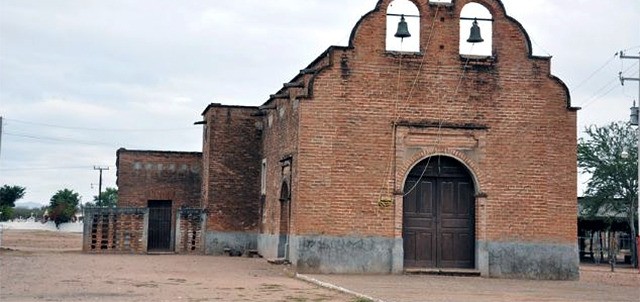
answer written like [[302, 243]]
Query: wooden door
[[439, 216], [285, 220]]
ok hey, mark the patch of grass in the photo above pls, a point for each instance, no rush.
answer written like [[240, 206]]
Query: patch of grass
[[362, 300]]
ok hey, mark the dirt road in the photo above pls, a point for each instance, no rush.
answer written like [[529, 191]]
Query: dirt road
[[48, 266]]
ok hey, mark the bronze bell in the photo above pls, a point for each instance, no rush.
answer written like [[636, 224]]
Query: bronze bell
[[403, 29], [475, 36]]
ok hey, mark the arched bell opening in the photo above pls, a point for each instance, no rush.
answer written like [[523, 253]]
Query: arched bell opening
[[403, 26], [439, 215], [476, 30]]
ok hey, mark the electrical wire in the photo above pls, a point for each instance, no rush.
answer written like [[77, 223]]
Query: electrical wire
[[596, 71], [56, 139], [50, 168], [610, 86], [99, 129]]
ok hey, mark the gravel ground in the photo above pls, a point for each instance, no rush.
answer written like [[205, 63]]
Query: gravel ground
[[48, 266]]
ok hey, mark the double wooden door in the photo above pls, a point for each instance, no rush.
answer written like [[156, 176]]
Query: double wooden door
[[439, 216]]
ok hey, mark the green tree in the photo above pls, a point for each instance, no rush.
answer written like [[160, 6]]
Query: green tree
[[109, 199], [8, 196], [63, 206], [613, 186]]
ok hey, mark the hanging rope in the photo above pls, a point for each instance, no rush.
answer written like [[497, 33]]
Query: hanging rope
[[439, 133], [396, 115]]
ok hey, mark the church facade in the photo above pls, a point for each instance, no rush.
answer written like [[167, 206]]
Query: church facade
[[373, 160]]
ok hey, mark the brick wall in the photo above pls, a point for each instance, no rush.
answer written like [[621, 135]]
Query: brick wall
[[279, 145], [349, 154], [190, 231], [159, 175], [114, 231], [232, 160]]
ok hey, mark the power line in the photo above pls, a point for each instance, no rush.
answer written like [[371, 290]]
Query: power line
[[596, 71], [61, 140], [99, 129], [610, 85], [48, 168]]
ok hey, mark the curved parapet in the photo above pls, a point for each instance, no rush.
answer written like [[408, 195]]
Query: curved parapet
[[440, 32]]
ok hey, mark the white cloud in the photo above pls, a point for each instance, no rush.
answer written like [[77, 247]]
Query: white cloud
[[156, 64]]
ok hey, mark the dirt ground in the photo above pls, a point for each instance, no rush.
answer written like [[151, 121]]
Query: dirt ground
[[48, 266]]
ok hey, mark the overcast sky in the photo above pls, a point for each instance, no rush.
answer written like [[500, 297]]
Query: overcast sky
[[80, 79]]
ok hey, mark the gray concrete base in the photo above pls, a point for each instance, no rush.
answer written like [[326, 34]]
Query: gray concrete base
[[397, 256], [237, 243], [268, 246], [342, 255], [378, 255], [529, 260]]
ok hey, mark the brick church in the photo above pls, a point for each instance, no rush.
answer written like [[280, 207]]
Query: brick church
[[379, 160]]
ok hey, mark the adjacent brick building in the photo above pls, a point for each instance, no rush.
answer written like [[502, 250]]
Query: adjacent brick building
[[378, 161]]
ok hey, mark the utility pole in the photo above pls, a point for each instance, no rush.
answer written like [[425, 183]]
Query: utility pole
[[634, 111], [0, 134], [100, 183]]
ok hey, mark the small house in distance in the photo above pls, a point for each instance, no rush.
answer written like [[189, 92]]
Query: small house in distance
[[384, 159]]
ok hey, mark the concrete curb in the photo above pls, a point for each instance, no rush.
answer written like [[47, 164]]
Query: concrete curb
[[335, 287]]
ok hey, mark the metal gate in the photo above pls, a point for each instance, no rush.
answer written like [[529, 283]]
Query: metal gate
[[439, 216], [159, 230]]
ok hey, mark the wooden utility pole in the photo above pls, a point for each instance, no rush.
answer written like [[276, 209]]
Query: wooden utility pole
[[100, 183], [0, 134]]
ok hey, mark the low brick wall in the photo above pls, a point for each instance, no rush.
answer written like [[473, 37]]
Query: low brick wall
[[124, 231], [115, 230], [190, 230]]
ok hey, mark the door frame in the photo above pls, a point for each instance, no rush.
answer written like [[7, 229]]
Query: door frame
[[161, 204], [284, 233], [480, 198]]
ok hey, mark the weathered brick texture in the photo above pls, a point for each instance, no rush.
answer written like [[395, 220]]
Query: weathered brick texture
[[358, 118], [231, 157], [114, 231], [159, 175], [190, 230], [340, 138]]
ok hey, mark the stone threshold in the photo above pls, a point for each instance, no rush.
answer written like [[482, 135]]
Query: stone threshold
[[160, 253], [455, 272], [278, 261]]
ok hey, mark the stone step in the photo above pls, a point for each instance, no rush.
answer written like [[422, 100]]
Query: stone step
[[456, 272], [278, 261]]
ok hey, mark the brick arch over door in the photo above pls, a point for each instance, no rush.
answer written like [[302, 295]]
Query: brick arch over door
[[410, 163], [439, 215]]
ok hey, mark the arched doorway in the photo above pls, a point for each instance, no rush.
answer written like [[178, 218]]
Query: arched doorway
[[285, 219], [439, 215]]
